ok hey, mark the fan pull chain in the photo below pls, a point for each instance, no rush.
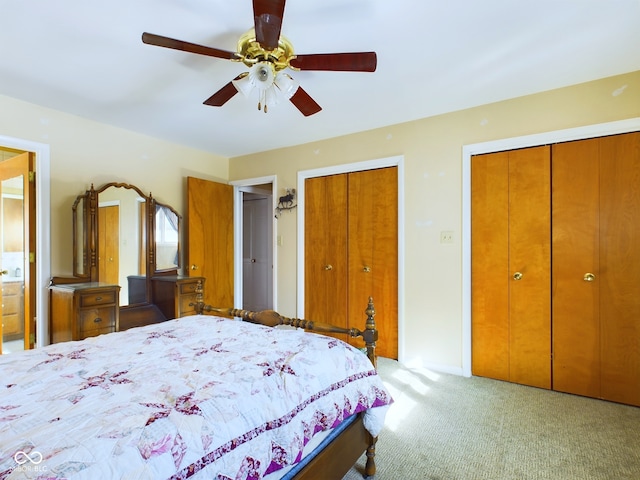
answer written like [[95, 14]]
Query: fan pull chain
[[262, 101]]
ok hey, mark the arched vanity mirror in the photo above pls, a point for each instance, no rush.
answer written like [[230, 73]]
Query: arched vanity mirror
[[122, 241], [126, 259], [111, 239]]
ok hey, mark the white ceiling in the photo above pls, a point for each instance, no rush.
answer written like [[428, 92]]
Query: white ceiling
[[87, 58]]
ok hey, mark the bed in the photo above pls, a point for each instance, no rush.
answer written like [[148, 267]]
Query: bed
[[204, 396]]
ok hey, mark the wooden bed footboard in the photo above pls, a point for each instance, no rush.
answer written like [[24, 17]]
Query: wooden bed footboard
[[271, 318], [343, 452]]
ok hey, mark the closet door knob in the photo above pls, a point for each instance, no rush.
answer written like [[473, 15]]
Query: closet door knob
[[517, 276], [328, 267], [589, 277], [366, 269]]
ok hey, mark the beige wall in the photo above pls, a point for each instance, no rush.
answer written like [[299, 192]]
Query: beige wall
[[84, 152], [432, 151]]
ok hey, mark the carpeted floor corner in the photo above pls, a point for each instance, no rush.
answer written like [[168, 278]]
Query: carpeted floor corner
[[446, 427]]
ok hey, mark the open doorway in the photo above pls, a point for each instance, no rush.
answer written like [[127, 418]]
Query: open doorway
[[257, 250], [254, 245], [17, 265], [41, 243]]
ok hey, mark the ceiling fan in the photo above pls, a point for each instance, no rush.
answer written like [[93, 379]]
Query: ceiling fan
[[267, 54]]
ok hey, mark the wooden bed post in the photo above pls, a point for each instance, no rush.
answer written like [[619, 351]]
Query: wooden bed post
[[199, 305], [370, 466], [370, 334]]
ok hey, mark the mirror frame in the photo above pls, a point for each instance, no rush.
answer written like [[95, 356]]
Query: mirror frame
[[86, 207], [82, 201]]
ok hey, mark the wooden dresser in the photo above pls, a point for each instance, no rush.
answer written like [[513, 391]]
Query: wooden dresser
[[175, 294], [12, 307], [81, 310]]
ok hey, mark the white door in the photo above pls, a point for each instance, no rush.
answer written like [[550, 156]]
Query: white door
[[257, 261]]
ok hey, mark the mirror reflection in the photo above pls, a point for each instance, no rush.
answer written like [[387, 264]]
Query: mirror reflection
[[121, 239], [167, 241]]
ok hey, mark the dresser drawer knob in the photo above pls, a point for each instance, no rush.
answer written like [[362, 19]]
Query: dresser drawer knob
[[98, 299], [97, 320]]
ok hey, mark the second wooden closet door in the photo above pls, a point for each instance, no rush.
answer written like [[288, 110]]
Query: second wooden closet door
[[373, 253], [596, 268], [576, 300]]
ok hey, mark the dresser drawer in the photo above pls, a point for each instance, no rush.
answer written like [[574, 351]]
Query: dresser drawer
[[11, 324], [10, 305], [172, 294], [185, 308], [12, 288], [97, 318], [187, 288], [80, 310], [97, 298]]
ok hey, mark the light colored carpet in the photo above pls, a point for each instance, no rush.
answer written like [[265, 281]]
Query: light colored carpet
[[446, 427]]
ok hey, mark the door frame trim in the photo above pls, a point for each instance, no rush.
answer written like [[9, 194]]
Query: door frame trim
[[556, 136], [43, 230], [396, 161], [240, 186]]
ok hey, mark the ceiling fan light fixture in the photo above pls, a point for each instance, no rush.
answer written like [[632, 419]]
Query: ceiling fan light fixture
[[263, 74], [244, 84], [268, 99], [270, 87], [286, 84]]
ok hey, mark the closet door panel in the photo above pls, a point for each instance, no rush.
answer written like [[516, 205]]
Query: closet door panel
[[326, 250], [373, 253], [575, 226], [490, 265], [620, 260], [530, 259]]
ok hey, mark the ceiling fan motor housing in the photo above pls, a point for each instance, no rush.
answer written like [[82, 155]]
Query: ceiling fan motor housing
[[251, 52]]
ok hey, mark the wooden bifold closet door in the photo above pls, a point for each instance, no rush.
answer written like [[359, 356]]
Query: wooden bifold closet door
[[596, 268], [510, 272], [588, 342], [351, 251], [325, 238]]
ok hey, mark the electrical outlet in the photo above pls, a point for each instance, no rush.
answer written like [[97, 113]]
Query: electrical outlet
[[446, 236]]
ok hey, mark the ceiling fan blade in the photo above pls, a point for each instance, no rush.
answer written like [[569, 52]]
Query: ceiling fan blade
[[160, 41], [223, 95], [267, 16], [337, 62], [305, 103]]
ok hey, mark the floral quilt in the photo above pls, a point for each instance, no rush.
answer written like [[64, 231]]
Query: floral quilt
[[201, 397]]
